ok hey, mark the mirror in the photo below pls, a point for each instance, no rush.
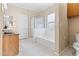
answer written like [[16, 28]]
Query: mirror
[[7, 20]]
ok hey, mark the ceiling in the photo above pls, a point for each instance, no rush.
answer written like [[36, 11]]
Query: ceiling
[[33, 6]]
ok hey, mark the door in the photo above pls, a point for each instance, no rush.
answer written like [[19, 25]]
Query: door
[[22, 26]]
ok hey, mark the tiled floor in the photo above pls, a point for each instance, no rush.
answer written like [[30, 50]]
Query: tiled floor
[[31, 48]]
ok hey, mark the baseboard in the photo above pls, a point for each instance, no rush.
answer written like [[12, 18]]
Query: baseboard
[[60, 54], [57, 54]]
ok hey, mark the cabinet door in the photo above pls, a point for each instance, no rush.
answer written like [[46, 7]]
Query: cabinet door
[[70, 9], [73, 9], [6, 43], [15, 44], [10, 45], [76, 8]]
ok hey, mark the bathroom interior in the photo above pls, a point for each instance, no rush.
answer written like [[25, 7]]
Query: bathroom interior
[[31, 26], [39, 29]]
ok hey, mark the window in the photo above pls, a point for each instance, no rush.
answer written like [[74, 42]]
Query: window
[[51, 18], [51, 22], [39, 22]]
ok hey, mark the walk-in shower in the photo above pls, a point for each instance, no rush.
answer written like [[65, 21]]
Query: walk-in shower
[[44, 30]]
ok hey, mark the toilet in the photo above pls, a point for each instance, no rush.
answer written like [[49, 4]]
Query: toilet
[[76, 44]]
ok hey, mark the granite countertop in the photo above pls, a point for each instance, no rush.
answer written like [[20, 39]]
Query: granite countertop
[[1, 33]]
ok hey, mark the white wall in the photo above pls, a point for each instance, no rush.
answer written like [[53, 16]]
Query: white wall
[[63, 27], [73, 28], [22, 26]]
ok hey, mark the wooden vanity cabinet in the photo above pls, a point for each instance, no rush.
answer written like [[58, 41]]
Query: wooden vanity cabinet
[[10, 44]]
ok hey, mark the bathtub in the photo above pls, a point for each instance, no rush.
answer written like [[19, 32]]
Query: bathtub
[[40, 36]]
